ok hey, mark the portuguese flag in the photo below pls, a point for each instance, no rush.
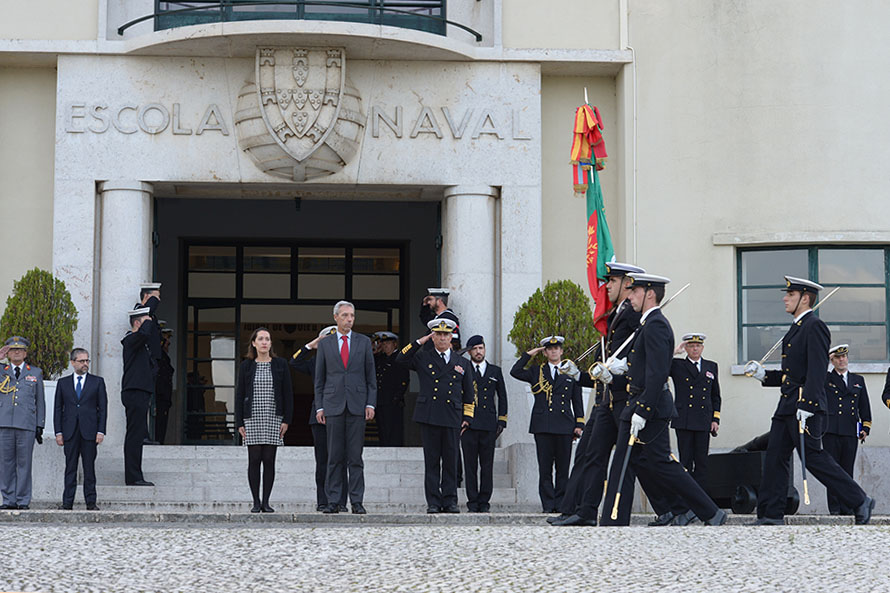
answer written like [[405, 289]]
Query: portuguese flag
[[599, 249]]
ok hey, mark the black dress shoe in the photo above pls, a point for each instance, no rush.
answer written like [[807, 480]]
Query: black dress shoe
[[265, 508], [662, 520], [573, 520], [331, 509], [92, 507], [719, 518], [256, 508], [320, 507], [863, 513], [9, 507], [140, 483], [342, 508], [563, 516], [433, 510], [23, 507], [451, 509], [66, 507], [358, 509], [485, 508], [769, 521], [684, 519]]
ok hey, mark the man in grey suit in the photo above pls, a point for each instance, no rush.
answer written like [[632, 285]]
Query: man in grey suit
[[345, 397], [22, 412]]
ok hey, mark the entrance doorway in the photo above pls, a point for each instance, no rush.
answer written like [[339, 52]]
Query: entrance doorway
[[235, 287]]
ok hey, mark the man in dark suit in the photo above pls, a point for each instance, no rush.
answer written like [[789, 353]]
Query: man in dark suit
[[646, 416], [137, 385], [345, 398], [444, 406], [849, 417], [802, 406], [392, 383], [303, 361], [80, 412], [697, 399], [489, 421], [557, 418]]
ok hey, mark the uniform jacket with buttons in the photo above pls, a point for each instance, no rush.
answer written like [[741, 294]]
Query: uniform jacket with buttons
[[23, 406], [489, 398], [392, 380], [648, 368], [83, 417], [696, 394], [559, 412], [446, 390], [804, 357], [140, 367], [847, 405], [619, 327]]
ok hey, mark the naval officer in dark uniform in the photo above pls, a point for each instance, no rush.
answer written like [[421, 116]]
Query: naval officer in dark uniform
[[392, 383], [22, 415], [849, 417], [648, 411], [444, 406], [303, 361], [435, 306], [557, 418], [697, 399], [802, 401], [489, 420], [137, 385], [585, 485]]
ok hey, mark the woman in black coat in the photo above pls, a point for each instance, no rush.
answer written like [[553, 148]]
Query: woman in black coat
[[264, 405]]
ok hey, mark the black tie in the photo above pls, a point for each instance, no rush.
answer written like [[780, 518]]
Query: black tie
[[18, 371], [478, 373], [442, 354]]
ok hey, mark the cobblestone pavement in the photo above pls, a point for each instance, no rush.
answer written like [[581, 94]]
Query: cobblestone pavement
[[267, 558]]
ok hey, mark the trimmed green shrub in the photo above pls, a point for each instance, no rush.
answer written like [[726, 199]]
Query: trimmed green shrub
[[40, 310]]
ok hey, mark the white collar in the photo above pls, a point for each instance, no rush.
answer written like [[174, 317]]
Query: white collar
[[695, 362], [646, 314], [340, 336], [447, 354], [482, 366], [799, 317]]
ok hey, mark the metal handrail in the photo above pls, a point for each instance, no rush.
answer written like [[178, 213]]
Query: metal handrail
[[222, 4]]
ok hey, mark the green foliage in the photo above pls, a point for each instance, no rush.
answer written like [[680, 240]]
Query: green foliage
[[40, 310], [561, 308]]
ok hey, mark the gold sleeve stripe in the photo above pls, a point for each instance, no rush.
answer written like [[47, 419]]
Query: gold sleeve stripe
[[297, 353], [469, 410], [581, 420], [502, 418], [866, 424], [717, 415], [407, 348]]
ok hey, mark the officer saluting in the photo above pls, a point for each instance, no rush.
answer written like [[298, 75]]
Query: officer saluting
[[802, 400], [392, 383], [489, 420], [848, 405], [697, 399], [444, 405], [557, 418], [22, 415]]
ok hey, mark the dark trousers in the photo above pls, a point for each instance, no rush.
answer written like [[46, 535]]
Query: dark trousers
[[784, 437], [843, 449], [346, 438], [136, 404], [553, 450], [162, 415], [390, 425], [653, 463], [78, 448], [320, 442], [440, 454], [478, 447], [571, 500], [693, 448]]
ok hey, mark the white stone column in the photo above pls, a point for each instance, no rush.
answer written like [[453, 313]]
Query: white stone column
[[124, 263], [469, 260]]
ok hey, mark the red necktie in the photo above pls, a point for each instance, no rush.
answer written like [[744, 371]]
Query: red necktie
[[344, 351]]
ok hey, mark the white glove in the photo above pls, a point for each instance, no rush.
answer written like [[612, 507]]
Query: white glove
[[637, 423], [601, 373], [802, 416], [617, 366], [756, 370], [567, 367]]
